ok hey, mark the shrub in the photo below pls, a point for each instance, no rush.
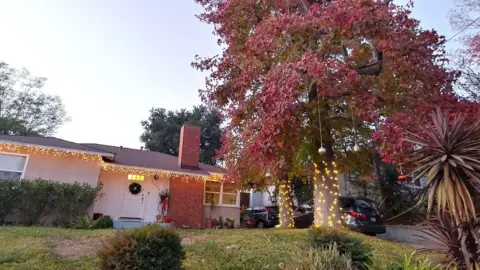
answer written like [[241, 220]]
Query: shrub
[[324, 237], [75, 198], [88, 224], [149, 247], [321, 259], [36, 199], [9, 198]]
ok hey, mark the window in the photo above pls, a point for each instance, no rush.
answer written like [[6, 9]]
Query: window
[[220, 193], [12, 166], [136, 177]]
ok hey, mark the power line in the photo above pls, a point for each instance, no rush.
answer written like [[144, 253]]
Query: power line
[[463, 29]]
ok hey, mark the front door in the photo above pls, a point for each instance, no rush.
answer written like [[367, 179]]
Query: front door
[[133, 200]]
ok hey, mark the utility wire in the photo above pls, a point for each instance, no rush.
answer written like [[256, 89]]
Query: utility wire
[[463, 29]]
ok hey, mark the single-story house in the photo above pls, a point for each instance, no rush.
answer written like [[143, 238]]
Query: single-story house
[[130, 179]]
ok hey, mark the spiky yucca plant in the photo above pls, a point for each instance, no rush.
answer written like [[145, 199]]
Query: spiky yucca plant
[[459, 243], [448, 152]]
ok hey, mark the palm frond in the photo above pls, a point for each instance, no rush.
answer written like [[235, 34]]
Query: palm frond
[[449, 156]]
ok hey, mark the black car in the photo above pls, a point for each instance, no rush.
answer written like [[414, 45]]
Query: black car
[[361, 215], [261, 217], [358, 214]]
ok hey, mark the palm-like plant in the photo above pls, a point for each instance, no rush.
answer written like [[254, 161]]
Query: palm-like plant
[[459, 243], [448, 153]]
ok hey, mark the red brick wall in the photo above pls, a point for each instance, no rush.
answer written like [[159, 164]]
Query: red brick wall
[[189, 149], [186, 203]]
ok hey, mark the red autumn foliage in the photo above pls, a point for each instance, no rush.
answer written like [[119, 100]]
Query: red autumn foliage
[[365, 58]]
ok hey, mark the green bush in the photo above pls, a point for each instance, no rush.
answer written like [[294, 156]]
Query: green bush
[[324, 237], [321, 259], [37, 199], [9, 198], [149, 247], [76, 199], [33, 200], [86, 223]]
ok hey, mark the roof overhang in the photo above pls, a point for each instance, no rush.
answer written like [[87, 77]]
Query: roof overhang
[[109, 156], [153, 170]]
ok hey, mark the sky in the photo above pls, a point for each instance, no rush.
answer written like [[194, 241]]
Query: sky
[[111, 61]]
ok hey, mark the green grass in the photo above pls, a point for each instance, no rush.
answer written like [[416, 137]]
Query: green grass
[[38, 248]]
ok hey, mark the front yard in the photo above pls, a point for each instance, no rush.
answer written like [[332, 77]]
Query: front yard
[[55, 248]]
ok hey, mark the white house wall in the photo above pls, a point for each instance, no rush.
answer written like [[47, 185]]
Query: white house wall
[[224, 212], [110, 200], [60, 169]]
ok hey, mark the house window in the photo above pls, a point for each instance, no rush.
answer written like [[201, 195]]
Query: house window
[[221, 193], [136, 177], [12, 166]]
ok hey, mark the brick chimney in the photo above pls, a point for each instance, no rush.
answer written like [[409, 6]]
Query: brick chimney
[[189, 149]]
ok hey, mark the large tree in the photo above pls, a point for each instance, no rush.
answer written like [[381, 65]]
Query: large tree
[[162, 130], [289, 66], [24, 108]]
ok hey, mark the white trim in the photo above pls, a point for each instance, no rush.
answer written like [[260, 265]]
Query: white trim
[[220, 204], [27, 157], [105, 154]]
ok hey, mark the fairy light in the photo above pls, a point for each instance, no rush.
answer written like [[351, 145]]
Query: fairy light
[[326, 193], [36, 150], [164, 174], [285, 203]]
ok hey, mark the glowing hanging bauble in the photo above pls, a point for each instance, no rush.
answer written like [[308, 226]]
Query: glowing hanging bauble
[[322, 150], [268, 174], [356, 147], [402, 177]]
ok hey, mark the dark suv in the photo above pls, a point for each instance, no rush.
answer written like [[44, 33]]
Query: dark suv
[[361, 215], [358, 214], [261, 217]]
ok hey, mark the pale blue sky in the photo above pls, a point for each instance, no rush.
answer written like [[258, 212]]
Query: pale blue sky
[[112, 60]]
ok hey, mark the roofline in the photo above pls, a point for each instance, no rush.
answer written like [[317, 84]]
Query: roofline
[[160, 170], [105, 154]]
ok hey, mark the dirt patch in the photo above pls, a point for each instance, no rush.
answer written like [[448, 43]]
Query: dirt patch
[[192, 239], [76, 247]]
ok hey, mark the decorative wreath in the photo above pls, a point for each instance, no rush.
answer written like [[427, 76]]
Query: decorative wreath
[[135, 188]]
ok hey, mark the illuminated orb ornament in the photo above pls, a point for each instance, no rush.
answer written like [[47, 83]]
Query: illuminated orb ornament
[[322, 151], [268, 174], [356, 147], [402, 177]]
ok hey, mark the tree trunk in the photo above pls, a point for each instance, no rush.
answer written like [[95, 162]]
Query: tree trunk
[[285, 202], [327, 209], [326, 189]]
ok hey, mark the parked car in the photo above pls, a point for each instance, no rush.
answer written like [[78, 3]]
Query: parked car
[[261, 217], [358, 214]]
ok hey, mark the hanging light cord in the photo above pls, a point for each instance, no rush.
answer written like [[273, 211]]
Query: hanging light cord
[[319, 119], [353, 126]]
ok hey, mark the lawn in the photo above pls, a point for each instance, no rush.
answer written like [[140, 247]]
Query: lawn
[[55, 248]]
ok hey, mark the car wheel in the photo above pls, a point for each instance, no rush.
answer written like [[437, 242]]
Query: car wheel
[[260, 225], [371, 234]]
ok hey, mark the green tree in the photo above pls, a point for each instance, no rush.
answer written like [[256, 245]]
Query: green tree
[[24, 108], [162, 130]]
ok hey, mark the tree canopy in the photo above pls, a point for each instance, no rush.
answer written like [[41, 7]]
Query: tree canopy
[[358, 67], [24, 108], [162, 130]]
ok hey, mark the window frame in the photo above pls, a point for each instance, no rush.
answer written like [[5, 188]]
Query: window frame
[[27, 156], [221, 204]]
